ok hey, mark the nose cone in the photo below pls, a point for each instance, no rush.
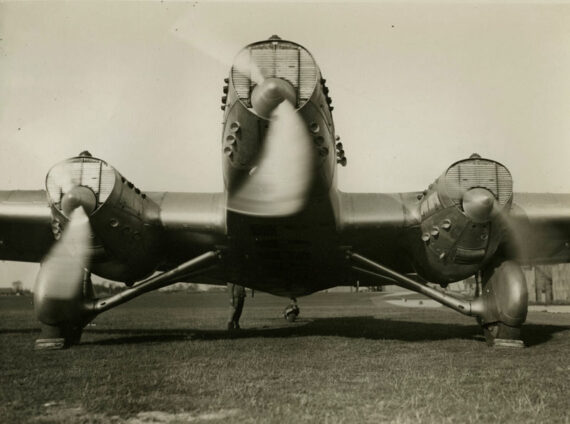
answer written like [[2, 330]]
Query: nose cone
[[76, 197], [478, 204], [269, 94]]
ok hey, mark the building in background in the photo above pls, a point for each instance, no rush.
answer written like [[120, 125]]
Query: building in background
[[548, 284]]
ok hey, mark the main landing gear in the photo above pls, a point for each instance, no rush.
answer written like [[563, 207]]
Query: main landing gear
[[64, 302], [500, 310], [62, 321], [503, 304], [292, 311]]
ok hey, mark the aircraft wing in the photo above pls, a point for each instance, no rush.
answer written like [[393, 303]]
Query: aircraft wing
[[391, 226], [378, 225], [540, 227], [191, 223], [193, 219], [25, 225], [376, 211]]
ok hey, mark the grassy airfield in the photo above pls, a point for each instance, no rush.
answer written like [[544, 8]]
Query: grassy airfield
[[349, 358]]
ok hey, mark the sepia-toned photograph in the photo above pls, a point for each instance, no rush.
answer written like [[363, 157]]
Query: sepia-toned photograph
[[284, 212]]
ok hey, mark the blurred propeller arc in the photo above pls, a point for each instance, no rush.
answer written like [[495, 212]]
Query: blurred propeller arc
[[59, 285], [481, 206], [279, 183]]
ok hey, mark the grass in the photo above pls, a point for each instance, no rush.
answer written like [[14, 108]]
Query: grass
[[350, 358]]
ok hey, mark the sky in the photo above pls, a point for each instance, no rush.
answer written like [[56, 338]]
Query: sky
[[415, 86]]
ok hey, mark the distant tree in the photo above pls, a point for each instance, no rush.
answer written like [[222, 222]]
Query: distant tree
[[18, 287]]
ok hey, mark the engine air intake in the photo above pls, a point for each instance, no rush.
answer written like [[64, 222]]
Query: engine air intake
[[80, 171], [478, 173], [274, 59]]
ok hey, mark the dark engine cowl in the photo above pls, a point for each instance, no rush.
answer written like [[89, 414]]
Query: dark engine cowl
[[125, 223], [460, 219]]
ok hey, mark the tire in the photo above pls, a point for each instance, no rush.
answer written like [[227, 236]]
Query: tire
[[72, 335], [58, 337], [501, 331]]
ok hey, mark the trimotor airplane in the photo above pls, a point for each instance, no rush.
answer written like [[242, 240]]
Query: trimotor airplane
[[281, 225]]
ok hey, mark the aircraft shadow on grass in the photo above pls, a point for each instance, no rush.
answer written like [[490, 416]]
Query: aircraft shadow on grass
[[350, 327]]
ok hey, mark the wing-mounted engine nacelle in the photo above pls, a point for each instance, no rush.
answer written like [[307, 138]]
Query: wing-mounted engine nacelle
[[460, 219], [125, 223]]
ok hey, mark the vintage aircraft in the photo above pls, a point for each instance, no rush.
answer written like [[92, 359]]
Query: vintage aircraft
[[281, 225]]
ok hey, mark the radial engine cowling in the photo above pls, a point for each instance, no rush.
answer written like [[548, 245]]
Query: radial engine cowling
[[124, 221], [461, 224]]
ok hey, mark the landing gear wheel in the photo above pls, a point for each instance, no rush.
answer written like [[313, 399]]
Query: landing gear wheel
[[291, 313], [73, 335], [54, 338], [499, 334]]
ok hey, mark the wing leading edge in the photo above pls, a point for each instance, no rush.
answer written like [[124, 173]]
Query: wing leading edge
[[25, 225], [189, 222], [539, 227], [399, 230]]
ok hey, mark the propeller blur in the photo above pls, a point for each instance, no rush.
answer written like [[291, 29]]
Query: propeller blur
[[278, 184]]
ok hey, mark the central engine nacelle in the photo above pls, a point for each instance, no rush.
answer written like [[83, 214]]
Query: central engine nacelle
[[461, 224], [125, 222]]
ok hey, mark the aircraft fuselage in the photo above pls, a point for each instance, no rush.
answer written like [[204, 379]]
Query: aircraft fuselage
[[297, 252]]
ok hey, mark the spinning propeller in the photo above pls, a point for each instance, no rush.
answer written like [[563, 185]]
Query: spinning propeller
[[280, 179], [62, 271], [279, 182], [481, 206]]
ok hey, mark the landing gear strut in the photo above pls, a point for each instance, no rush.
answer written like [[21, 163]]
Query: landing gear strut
[[65, 304], [501, 308], [292, 311]]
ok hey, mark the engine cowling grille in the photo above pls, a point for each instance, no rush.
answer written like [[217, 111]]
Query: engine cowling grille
[[471, 173], [80, 171], [275, 59]]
